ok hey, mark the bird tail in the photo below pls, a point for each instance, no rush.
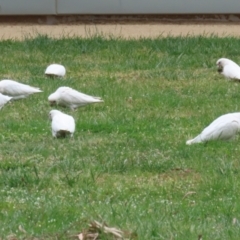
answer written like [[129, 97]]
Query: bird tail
[[98, 99], [194, 140], [38, 90], [9, 98]]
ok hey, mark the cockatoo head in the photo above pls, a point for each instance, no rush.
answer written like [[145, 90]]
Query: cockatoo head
[[221, 63], [54, 97], [53, 113]]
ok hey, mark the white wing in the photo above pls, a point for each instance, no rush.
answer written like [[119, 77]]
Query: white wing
[[224, 131], [231, 71], [75, 99]]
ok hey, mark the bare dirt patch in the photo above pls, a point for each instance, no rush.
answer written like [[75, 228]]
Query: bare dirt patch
[[14, 28]]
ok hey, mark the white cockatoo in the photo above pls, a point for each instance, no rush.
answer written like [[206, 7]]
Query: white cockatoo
[[55, 70], [228, 68], [62, 124], [16, 90], [224, 127], [68, 97], [4, 99]]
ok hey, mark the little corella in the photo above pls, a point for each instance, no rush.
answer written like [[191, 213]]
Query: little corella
[[16, 90], [68, 97], [228, 68], [55, 70], [224, 127], [62, 124]]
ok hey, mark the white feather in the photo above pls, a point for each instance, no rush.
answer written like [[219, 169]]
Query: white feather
[[62, 124], [68, 97], [228, 68], [55, 70], [224, 127], [16, 90], [3, 100]]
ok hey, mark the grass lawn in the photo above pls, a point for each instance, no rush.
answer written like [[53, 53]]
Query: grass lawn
[[128, 164]]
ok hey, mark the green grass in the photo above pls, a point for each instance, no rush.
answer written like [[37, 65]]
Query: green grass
[[127, 164]]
